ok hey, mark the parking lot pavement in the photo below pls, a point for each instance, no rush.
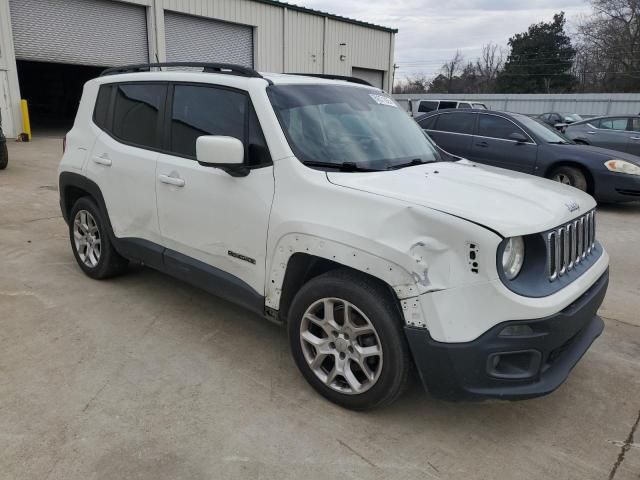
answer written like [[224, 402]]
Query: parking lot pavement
[[145, 377]]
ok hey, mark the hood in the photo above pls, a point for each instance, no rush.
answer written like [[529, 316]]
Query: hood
[[598, 153], [507, 202]]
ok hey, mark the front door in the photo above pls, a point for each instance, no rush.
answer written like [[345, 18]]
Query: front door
[[492, 145], [206, 215]]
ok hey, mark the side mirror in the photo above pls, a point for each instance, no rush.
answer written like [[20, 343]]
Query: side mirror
[[226, 153], [518, 137]]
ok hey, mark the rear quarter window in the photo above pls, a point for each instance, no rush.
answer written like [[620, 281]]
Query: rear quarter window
[[101, 109]]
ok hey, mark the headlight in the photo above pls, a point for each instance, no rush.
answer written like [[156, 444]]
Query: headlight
[[513, 257], [622, 166]]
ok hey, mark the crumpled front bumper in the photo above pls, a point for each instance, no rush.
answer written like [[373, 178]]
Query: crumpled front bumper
[[511, 367]]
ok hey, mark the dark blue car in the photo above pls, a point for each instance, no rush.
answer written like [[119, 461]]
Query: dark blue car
[[517, 142]]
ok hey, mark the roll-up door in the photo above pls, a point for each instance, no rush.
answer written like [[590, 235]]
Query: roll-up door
[[82, 32], [198, 39], [374, 77]]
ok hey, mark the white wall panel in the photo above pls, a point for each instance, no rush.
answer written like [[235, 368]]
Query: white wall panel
[[268, 21], [304, 43]]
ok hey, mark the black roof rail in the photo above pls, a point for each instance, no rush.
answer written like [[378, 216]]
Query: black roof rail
[[328, 76], [225, 68]]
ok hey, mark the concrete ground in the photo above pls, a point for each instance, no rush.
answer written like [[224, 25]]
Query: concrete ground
[[145, 377]]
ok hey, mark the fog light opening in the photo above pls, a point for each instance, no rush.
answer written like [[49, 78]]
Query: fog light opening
[[517, 331], [514, 365]]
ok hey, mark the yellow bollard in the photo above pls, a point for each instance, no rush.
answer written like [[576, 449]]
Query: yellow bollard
[[26, 123]]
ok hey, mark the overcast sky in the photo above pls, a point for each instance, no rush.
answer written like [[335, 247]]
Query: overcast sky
[[430, 31]]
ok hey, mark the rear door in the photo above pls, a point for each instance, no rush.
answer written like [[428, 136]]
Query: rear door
[[610, 133], [453, 132], [123, 159], [491, 145], [633, 127]]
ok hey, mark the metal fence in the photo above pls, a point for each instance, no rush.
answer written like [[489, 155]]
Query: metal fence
[[588, 104]]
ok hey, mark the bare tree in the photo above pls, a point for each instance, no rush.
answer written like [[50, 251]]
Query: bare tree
[[452, 68], [488, 66], [610, 46], [418, 83]]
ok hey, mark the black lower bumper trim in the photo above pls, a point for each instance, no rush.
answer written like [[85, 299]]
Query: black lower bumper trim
[[541, 359]]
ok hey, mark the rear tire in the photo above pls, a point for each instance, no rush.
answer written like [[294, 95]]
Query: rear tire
[[570, 176], [90, 241], [359, 360], [4, 156]]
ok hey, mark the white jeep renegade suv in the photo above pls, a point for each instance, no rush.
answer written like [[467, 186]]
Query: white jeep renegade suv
[[321, 204]]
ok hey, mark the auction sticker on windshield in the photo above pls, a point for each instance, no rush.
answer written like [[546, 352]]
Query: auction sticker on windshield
[[382, 100]]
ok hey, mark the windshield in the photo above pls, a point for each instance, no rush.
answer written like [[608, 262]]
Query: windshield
[[339, 125], [541, 130]]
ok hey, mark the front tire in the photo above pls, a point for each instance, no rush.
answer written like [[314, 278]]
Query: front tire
[[90, 241], [4, 156], [346, 337], [570, 176]]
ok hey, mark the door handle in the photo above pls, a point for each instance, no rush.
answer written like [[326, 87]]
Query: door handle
[[102, 159], [482, 144], [635, 138], [175, 181], [591, 133]]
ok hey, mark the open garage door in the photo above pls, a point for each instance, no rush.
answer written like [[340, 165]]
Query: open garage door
[[374, 77], [198, 39], [80, 32]]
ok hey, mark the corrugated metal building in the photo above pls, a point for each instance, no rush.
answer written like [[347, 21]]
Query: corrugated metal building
[[49, 48], [589, 104]]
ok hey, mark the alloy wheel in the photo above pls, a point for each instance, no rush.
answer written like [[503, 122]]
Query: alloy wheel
[[86, 237], [341, 346]]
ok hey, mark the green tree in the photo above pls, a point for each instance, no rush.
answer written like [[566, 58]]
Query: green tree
[[540, 60]]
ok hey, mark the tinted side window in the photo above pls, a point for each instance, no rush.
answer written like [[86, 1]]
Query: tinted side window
[[613, 123], [444, 105], [495, 127], [136, 113], [456, 122], [464, 105], [203, 110], [101, 109], [428, 123], [427, 107]]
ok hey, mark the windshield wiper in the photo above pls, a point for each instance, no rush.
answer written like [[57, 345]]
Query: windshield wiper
[[343, 167], [415, 161], [559, 142]]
